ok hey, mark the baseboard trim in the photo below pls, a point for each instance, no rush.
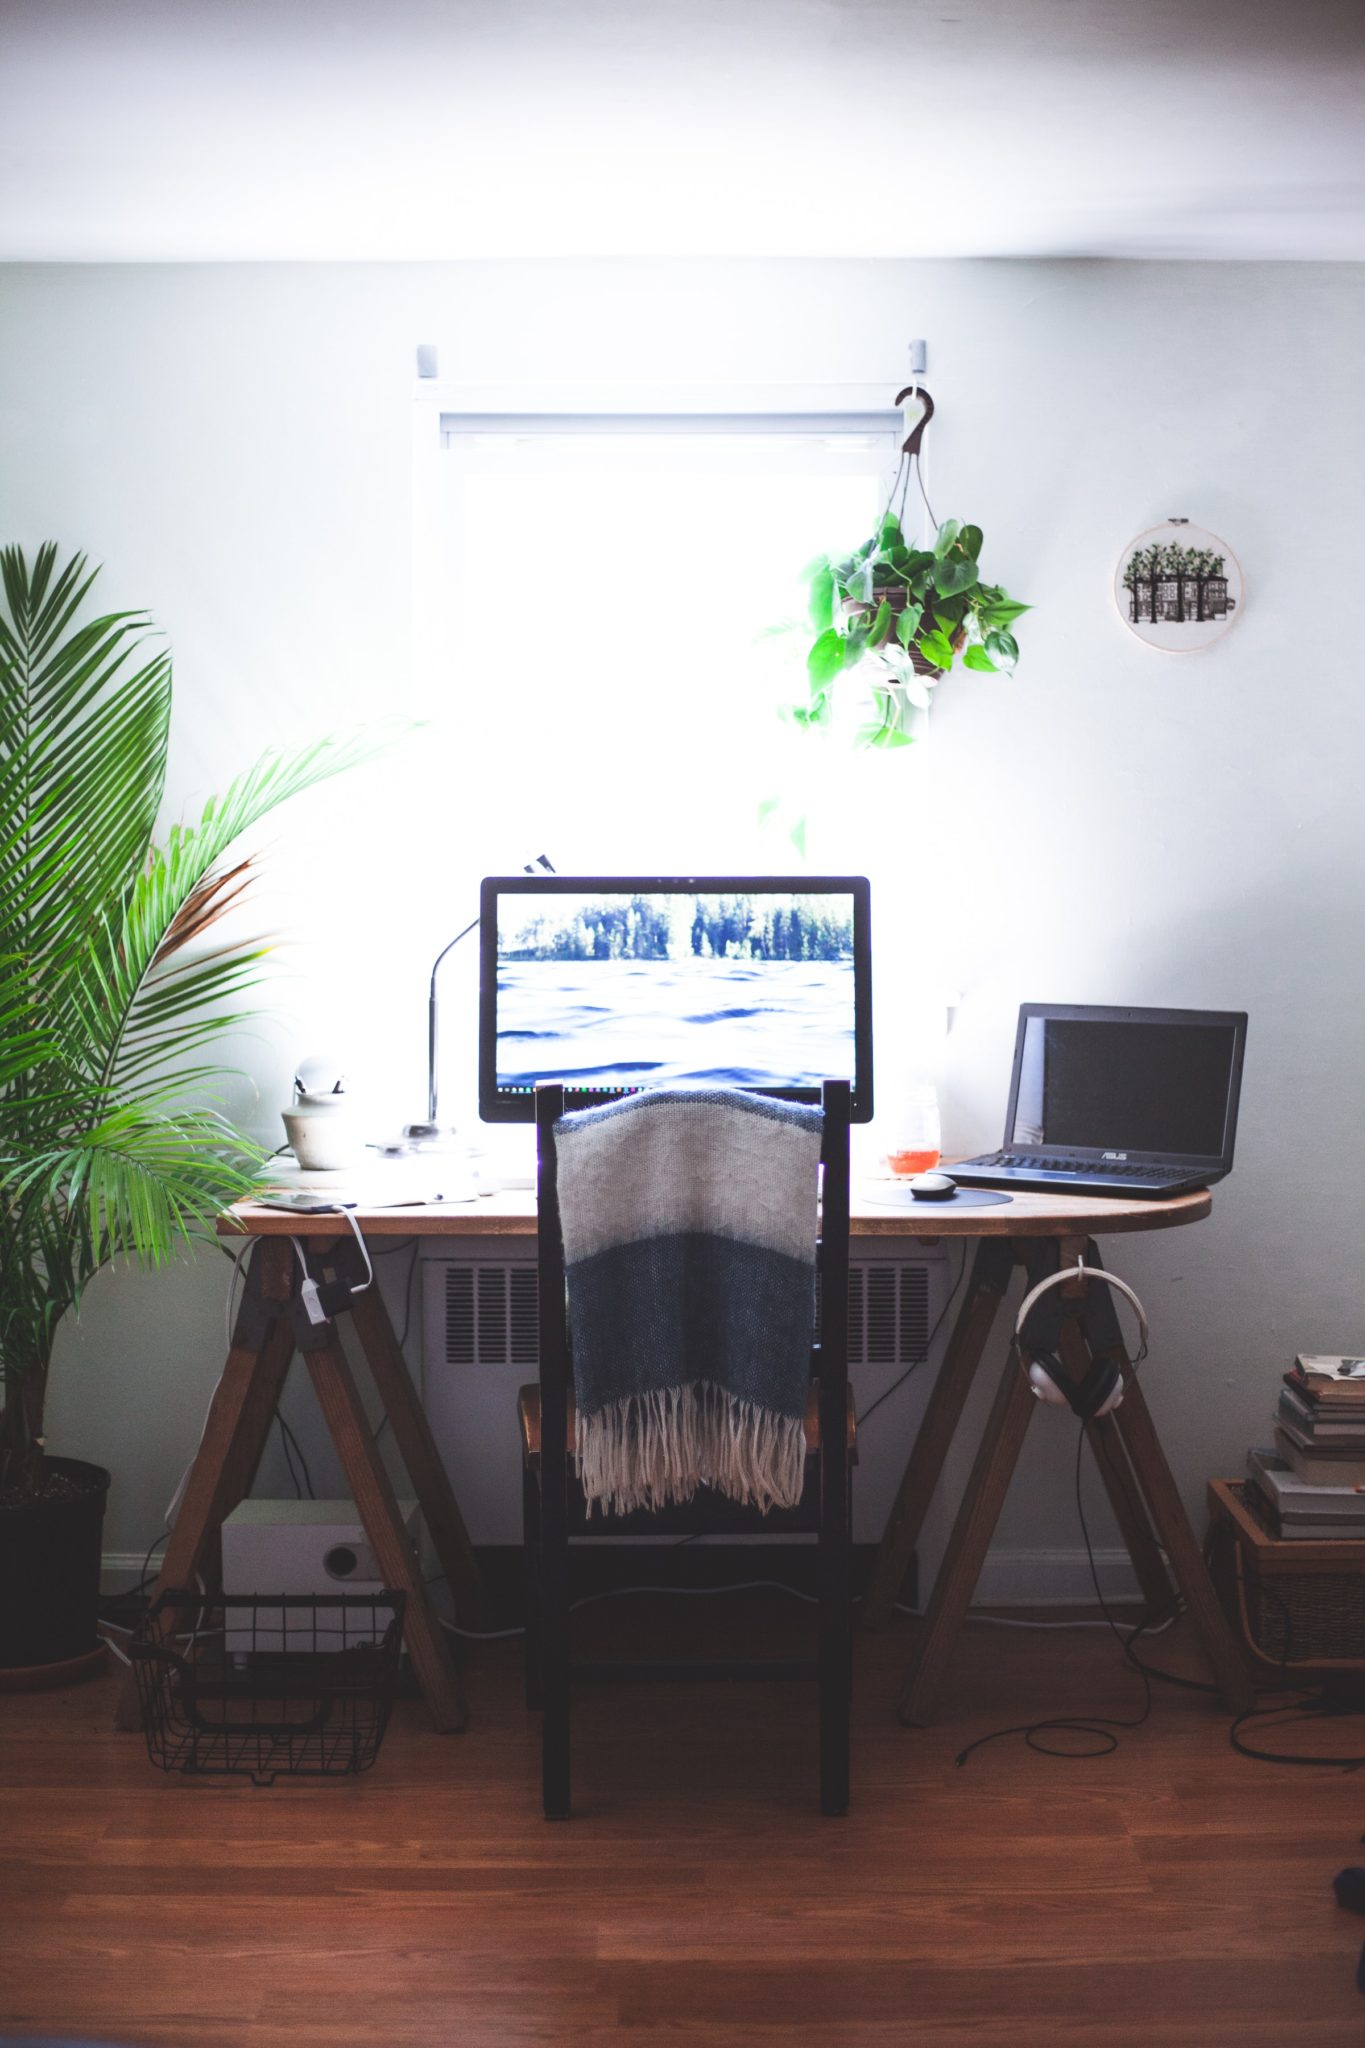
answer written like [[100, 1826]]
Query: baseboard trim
[[121, 1570], [1054, 1578]]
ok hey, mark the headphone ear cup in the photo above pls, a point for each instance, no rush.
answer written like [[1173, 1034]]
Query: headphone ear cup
[[1045, 1387], [1099, 1393], [1113, 1398]]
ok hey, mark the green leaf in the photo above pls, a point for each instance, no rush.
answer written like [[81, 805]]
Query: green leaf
[[907, 623], [814, 566], [955, 573], [1003, 646], [854, 643], [889, 533], [969, 540], [825, 659], [767, 808], [881, 625], [797, 835], [947, 534], [937, 648], [919, 571], [859, 584], [1003, 611], [822, 598], [977, 657]]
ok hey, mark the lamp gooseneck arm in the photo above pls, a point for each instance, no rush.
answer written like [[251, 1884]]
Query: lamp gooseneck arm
[[433, 1007], [433, 1019]]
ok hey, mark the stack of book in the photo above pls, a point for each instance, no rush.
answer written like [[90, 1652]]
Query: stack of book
[[1312, 1484]]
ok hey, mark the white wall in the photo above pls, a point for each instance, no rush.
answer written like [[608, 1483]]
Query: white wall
[[1113, 825]]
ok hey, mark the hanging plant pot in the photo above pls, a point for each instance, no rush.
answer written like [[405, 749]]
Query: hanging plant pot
[[905, 610], [50, 1575]]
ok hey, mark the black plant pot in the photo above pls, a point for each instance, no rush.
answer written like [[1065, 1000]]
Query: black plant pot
[[50, 1569]]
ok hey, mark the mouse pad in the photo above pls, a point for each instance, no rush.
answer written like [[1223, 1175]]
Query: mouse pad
[[889, 1196]]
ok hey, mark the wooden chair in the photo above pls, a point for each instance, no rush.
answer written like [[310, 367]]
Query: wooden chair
[[554, 1507]]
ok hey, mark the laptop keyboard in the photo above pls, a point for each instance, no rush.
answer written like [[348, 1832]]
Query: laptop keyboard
[[1105, 1169]]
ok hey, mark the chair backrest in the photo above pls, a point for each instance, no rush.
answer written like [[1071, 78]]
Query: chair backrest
[[829, 1358]]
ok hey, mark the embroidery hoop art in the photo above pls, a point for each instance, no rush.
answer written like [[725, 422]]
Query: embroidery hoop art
[[1167, 632]]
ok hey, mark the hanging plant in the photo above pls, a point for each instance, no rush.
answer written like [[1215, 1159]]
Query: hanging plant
[[910, 613]]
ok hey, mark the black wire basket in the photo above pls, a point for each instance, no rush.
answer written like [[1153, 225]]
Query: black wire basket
[[259, 1685]]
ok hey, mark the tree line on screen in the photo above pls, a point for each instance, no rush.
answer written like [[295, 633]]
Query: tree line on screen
[[689, 927]]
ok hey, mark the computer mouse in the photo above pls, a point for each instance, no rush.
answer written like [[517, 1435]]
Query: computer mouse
[[932, 1187]]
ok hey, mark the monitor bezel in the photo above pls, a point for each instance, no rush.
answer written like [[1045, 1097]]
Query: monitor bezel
[[497, 1108], [1110, 1013]]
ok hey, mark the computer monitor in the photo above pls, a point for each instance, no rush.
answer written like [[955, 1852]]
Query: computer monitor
[[611, 984]]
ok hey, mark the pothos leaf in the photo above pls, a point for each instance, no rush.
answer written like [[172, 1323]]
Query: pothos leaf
[[955, 573], [822, 598], [907, 623], [825, 659]]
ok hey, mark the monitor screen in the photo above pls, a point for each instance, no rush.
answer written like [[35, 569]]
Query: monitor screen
[[615, 984], [1128, 1081]]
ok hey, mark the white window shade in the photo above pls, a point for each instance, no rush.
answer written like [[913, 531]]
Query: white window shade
[[616, 589]]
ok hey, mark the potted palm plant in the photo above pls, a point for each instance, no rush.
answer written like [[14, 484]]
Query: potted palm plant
[[910, 613], [108, 992]]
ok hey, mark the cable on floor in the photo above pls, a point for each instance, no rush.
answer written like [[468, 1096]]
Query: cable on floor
[[1100, 1732]]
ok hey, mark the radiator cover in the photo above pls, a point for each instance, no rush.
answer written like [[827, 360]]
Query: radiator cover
[[479, 1305]]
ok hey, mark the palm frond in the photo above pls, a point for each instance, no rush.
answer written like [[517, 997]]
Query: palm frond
[[110, 983]]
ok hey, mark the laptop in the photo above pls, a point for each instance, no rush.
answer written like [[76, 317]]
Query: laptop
[[1117, 1102]]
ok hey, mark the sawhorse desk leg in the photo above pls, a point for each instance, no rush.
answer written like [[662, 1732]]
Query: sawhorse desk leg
[[239, 1419], [1146, 1503], [377, 1506], [243, 1408], [412, 1434], [986, 1290]]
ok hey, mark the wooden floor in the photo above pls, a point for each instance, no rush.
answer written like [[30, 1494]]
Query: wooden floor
[[1174, 1893]]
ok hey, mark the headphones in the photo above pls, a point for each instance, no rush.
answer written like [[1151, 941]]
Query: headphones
[[1037, 1332]]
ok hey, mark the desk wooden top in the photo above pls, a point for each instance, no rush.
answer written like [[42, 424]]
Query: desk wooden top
[[514, 1215]]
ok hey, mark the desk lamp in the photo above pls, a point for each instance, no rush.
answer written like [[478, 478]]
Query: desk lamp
[[429, 1132]]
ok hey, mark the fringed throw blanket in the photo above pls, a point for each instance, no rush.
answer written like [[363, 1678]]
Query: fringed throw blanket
[[689, 1220]]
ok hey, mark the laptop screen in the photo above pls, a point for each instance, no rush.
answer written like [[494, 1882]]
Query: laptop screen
[[612, 984], [1127, 1082]]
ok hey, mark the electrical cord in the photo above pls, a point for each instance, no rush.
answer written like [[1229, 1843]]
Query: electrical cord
[[914, 1366], [1100, 1730], [288, 1438], [622, 1592]]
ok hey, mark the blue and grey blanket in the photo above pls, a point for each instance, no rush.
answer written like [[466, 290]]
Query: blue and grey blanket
[[689, 1220]]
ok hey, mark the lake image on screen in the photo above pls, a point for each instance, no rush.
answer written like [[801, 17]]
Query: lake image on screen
[[741, 991]]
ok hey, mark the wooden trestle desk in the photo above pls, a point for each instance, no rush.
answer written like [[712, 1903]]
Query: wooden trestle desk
[[1147, 1505]]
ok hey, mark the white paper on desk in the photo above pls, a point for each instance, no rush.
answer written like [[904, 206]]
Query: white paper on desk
[[399, 1186]]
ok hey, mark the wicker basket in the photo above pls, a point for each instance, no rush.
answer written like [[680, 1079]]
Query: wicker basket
[[1300, 1605]]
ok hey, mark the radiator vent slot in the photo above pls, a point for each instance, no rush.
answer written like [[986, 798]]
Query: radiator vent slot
[[482, 1310], [888, 1312], [491, 1315]]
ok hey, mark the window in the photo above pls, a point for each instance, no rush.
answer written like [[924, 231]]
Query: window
[[610, 591]]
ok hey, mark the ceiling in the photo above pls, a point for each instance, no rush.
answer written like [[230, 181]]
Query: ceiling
[[213, 130]]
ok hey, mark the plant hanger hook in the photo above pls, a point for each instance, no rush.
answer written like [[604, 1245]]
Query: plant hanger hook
[[911, 444]]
